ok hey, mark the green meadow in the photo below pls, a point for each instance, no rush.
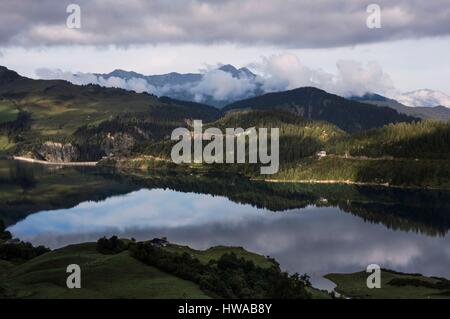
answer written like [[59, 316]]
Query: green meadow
[[394, 285], [103, 276]]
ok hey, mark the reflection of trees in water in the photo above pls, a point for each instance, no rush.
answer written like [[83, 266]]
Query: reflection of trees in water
[[430, 221], [14, 173], [27, 188], [420, 211], [23, 176]]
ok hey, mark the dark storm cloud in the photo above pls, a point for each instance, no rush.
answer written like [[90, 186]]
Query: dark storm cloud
[[287, 23]]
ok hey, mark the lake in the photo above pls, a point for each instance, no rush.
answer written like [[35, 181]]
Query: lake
[[314, 229]]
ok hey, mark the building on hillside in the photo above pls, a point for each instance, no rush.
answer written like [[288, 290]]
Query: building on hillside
[[321, 154], [162, 242]]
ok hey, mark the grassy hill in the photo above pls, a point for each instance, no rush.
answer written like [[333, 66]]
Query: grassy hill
[[394, 285], [316, 104], [173, 271], [57, 109], [103, 276]]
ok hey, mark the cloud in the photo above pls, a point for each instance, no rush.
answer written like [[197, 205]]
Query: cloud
[[223, 86], [424, 97], [356, 79], [300, 24], [275, 73], [286, 71], [134, 84]]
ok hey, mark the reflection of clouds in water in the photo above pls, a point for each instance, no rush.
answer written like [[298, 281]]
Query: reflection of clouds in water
[[313, 240], [144, 208]]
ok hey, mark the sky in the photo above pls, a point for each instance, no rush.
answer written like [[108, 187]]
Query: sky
[[329, 40]]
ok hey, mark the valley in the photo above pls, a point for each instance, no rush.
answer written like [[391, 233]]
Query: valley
[[78, 153]]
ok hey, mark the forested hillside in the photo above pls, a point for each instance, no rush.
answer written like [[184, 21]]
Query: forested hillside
[[316, 104], [425, 140]]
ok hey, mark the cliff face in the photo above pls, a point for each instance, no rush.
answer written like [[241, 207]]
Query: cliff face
[[93, 149], [58, 152]]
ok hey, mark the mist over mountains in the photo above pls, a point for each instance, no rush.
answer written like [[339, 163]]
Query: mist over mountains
[[424, 97], [225, 84], [217, 87], [438, 112]]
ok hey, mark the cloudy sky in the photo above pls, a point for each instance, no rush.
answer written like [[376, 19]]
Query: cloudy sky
[[298, 40]]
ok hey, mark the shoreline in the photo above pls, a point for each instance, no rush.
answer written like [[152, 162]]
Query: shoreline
[[35, 161], [348, 182], [310, 181]]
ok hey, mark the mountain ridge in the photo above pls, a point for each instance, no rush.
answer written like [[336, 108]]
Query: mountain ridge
[[182, 86], [317, 104], [439, 112]]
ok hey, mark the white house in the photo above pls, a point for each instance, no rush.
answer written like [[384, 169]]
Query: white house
[[321, 154]]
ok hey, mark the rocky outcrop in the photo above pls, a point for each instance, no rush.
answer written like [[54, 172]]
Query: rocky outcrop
[[58, 152], [92, 149], [117, 142]]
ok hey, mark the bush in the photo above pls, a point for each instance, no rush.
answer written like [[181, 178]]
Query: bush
[[110, 246], [21, 251], [4, 234], [228, 277]]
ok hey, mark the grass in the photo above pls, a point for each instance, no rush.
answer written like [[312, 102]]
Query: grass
[[5, 144], [214, 253], [7, 112], [110, 276], [58, 108], [415, 286], [102, 276]]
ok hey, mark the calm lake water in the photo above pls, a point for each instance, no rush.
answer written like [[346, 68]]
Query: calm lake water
[[309, 229]]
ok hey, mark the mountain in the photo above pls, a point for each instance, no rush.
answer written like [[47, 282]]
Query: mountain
[[174, 78], [237, 73], [59, 121], [7, 75], [440, 112], [424, 97], [313, 103], [185, 86], [170, 79]]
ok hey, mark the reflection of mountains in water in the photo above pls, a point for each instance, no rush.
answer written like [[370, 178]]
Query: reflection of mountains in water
[[25, 189], [28, 188], [420, 211]]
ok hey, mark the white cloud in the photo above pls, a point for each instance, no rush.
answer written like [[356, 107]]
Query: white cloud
[[133, 84], [222, 86], [276, 73], [353, 78], [286, 71], [423, 97]]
